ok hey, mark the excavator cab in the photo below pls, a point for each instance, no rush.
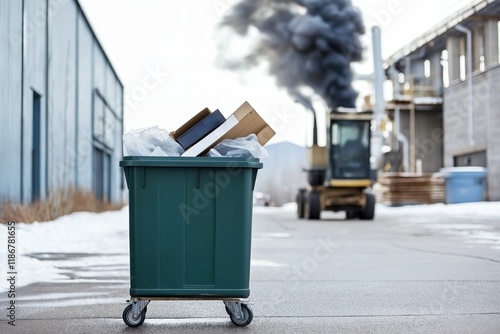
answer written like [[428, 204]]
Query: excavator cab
[[339, 174], [349, 156]]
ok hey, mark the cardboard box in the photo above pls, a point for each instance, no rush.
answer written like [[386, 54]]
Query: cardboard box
[[243, 122], [265, 135]]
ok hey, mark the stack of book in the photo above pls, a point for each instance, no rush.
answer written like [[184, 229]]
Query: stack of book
[[206, 129]]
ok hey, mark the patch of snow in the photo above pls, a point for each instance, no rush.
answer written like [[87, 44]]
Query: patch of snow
[[78, 233], [474, 209]]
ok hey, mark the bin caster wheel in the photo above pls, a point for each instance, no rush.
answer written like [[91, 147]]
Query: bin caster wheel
[[129, 320], [247, 316]]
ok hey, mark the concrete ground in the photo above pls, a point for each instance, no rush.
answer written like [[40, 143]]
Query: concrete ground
[[397, 274]]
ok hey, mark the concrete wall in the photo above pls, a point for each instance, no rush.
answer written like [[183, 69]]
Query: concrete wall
[[493, 133], [486, 124]]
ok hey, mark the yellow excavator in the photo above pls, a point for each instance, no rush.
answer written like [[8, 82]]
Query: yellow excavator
[[339, 174]]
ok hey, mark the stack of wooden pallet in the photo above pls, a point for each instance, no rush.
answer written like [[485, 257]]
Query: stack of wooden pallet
[[410, 188]]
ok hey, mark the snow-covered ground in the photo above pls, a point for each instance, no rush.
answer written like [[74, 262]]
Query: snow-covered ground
[[477, 209], [83, 233], [80, 233]]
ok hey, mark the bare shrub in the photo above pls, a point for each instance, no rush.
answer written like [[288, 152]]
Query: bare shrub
[[59, 203]]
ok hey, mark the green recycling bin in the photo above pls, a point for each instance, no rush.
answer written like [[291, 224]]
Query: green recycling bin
[[190, 225]]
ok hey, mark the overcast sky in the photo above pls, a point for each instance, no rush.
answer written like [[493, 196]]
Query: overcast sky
[[174, 42]]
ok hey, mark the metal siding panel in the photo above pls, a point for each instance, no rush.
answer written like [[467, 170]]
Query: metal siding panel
[[98, 84], [99, 69], [119, 138], [109, 92], [85, 49], [62, 83], [10, 99], [111, 99], [61, 103], [118, 152], [112, 125], [106, 82], [34, 79]]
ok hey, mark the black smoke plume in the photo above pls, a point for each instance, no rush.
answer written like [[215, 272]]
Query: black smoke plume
[[307, 43]]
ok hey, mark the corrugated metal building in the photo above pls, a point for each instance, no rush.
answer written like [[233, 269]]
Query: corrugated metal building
[[61, 110], [465, 48]]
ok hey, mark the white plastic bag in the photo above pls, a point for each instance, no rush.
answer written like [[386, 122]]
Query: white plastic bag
[[151, 141], [244, 147]]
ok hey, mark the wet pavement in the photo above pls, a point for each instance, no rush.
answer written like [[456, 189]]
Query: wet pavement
[[397, 274]]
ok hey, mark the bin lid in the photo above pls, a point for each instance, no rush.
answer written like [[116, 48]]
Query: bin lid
[[224, 162], [463, 171]]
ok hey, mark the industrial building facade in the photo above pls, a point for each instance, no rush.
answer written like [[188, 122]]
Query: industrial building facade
[[61, 110], [447, 93]]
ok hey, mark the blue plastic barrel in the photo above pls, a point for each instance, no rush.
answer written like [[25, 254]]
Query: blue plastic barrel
[[464, 184]]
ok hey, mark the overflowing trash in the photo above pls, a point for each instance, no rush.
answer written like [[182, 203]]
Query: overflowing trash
[[151, 141], [243, 147], [242, 134]]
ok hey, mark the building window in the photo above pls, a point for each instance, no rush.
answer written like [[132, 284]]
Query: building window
[[104, 122], [102, 173], [478, 44], [401, 77], [446, 73], [427, 68], [462, 58], [471, 159], [462, 67], [104, 126], [482, 65], [498, 28], [98, 118]]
